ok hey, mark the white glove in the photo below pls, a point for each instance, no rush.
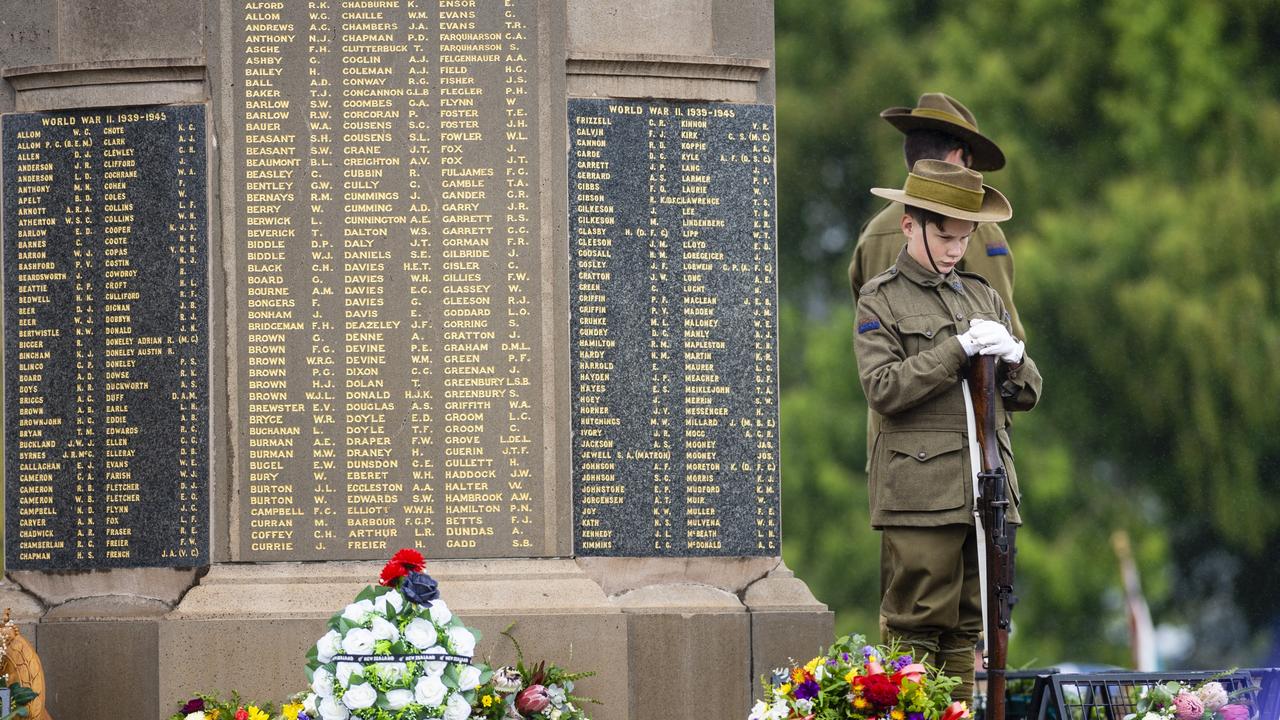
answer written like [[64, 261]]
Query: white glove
[[970, 343], [996, 340]]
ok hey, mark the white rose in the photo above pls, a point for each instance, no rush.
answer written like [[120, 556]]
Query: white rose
[[384, 630], [458, 708], [392, 672], [328, 646], [358, 641], [399, 699], [357, 611], [758, 711], [322, 683], [421, 633], [331, 709], [346, 670], [197, 715], [469, 678], [435, 667], [393, 598], [462, 641], [309, 704], [430, 691], [556, 713], [359, 696], [440, 613]]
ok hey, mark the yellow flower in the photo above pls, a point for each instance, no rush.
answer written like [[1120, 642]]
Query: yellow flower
[[211, 714], [812, 664], [861, 703], [784, 689], [849, 678], [487, 700], [256, 714], [898, 714], [797, 675], [291, 710]]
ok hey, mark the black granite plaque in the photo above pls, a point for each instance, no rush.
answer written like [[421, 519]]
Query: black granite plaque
[[105, 317], [673, 328]]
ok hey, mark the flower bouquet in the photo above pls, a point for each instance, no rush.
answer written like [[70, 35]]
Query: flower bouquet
[[538, 692], [1173, 701], [396, 653], [859, 682], [206, 706]]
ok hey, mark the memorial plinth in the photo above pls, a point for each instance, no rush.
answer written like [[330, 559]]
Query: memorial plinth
[[495, 280]]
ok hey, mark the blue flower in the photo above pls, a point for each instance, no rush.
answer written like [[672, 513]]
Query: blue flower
[[420, 588]]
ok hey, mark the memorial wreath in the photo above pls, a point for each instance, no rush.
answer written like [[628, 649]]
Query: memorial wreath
[[396, 653]]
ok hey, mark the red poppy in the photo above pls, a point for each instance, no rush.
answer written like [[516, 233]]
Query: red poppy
[[402, 563]]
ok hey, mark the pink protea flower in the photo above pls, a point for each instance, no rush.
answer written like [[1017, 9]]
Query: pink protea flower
[[1234, 712], [1213, 695], [1188, 707], [533, 699]]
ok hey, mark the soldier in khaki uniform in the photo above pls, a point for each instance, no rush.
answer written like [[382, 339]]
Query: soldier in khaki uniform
[[918, 323]]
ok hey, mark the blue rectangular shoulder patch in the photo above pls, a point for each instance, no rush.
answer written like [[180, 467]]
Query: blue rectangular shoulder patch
[[868, 326], [997, 250]]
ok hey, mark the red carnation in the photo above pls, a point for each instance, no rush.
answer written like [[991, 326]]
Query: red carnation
[[402, 563], [880, 691]]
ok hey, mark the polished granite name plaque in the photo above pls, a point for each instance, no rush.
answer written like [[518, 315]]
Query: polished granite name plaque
[[673, 297], [106, 335]]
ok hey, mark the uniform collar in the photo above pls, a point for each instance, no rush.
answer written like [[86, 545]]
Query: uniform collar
[[920, 275]]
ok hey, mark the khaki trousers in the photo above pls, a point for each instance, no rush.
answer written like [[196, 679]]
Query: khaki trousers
[[931, 599]]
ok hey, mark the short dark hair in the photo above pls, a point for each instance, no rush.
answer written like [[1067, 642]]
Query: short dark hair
[[930, 145], [926, 217]]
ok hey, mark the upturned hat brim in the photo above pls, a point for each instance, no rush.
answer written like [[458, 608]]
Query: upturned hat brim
[[986, 155], [995, 207]]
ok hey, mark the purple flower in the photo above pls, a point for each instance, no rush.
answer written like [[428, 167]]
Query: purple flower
[[844, 656], [915, 716], [419, 588], [902, 662], [807, 690], [194, 705], [302, 715], [868, 651]]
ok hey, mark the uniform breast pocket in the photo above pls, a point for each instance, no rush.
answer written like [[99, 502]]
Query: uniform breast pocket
[[921, 332], [921, 471]]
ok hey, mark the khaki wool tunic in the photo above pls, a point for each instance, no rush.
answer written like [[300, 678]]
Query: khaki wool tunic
[[910, 365]]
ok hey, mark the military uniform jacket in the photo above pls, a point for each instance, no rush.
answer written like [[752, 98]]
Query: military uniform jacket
[[988, 255], [910, 365]]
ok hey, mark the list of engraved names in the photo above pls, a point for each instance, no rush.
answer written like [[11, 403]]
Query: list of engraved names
[[106, 387], [388, 221], [674, 334]]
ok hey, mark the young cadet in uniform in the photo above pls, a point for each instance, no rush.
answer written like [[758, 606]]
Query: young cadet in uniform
[[918, 323]]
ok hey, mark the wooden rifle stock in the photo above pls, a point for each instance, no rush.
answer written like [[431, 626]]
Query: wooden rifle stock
[[993, 502]]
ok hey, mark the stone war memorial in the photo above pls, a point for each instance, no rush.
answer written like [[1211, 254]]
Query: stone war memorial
[[292, 284]]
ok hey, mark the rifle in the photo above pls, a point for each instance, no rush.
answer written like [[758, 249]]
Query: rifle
[[992, 503]]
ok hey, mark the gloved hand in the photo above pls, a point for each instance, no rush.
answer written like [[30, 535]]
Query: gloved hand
[[996, 340], [970, 343]]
